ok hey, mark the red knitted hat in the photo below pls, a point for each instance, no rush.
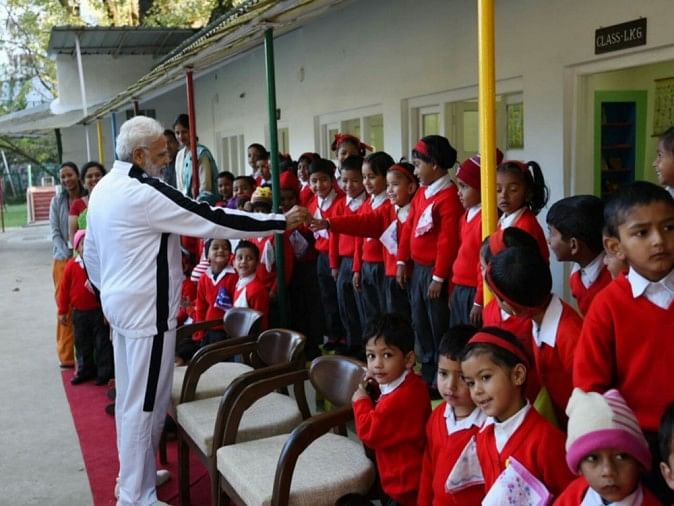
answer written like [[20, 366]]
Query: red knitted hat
[[289, 181], [469, 170]]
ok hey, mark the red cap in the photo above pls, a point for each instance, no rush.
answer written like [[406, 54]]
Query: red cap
[[342, 138], [469, 170], [289, 181]]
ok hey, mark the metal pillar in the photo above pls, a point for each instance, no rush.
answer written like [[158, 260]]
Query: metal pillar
[[83, 92], [113, 124], [487, 108], [275, 185], [193, 132], [101, 145]]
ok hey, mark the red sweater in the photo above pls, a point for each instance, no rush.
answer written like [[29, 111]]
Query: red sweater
[[395, 429], [370, 249], [466, 270], [268, 277], [322, 244], [306, 195], [575, 493], [628, 344], [585, 296], [72, 290], [207, 291], [341, 244], [536, 444], [438, 246], [257, 297], [527, 221], [555, 364], [440, 457], [521, 328], [188, 297]]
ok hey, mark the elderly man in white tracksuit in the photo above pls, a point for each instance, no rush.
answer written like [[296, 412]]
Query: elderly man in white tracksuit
[[132, 257]]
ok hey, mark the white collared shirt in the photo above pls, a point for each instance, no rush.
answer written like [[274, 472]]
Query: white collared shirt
[[390, 387], [245, 281], [215, 278], [590, 273], [325, 203], [354, 203], [403, 212], [592, 498], [546, 333], [377, 200], [476, 418], [472, 212], [504, 315], [660, 293], [508, 220], [503, 430], [437, 186]]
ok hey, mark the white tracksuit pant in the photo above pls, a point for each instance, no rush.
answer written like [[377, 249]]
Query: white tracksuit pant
[[143, 378]]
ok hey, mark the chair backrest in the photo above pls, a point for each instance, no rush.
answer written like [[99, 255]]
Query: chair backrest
[[242, 321], [279, 346], [336, 378]]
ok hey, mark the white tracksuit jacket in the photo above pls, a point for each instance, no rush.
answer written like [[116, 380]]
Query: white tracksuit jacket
[[132, 246]]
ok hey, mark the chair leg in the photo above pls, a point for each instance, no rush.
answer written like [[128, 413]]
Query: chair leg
[[162, 448], [216, 491], [183, 471]]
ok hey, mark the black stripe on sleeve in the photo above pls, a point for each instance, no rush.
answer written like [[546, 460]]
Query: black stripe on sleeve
[[220, 216]]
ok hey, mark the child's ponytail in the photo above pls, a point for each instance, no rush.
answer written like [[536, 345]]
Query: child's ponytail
[[539, 190]]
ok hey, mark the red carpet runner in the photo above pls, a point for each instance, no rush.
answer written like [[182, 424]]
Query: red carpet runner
[[96, 431]]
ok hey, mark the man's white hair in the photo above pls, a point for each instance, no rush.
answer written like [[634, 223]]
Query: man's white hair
[[138, 132]]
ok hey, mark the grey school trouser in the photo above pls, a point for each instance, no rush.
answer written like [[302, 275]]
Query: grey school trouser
[[430, 318], [349, 305], [143, 378]]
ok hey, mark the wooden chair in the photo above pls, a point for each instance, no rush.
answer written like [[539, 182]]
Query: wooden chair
[[208, 376], [313, 465], [201, 421]]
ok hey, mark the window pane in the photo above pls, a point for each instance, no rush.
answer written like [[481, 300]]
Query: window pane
[[375, 131], [471, 132], [430, 124], [351, 126]]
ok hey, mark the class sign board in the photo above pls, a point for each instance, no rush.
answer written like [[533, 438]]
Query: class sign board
[[622, 36]]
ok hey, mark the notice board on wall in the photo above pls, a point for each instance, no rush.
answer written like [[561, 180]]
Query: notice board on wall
[[663, 114]]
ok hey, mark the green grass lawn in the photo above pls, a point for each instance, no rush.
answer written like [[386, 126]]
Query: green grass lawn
[[15, 215]]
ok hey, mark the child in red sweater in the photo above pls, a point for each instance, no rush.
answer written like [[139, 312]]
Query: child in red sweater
[[305, 195], [519, 451], [520, 195], [342, 249], [323, 205], [393, 426], [446, 475], [626, 339], [607, 448], [93, 348], [465, 303], [250, 291], [521, 283], [346, 145], [430, 239], [665, 439], [575, 225]]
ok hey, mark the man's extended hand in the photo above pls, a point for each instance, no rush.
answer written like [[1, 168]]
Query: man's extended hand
[[296, 217]]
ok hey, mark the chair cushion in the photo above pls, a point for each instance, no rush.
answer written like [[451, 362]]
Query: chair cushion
[[212, 382], [268, 416], [332, 466]]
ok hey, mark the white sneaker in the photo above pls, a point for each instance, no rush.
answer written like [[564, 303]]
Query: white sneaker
[[163, 475]]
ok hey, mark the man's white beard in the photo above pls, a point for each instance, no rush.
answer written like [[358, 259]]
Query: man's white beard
[[152, 169]]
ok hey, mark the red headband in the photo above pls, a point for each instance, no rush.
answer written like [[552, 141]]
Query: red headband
[[421, 148], [500, 342], [402, 170], [342, 138], [496, 244]]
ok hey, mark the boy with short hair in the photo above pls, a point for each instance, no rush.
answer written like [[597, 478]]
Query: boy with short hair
[[242, 187], [394, 425], [322, 206], [452, 427], [575, 225], [606, 447], [249, 291], [342, 248], [626, 338], [225, 187]]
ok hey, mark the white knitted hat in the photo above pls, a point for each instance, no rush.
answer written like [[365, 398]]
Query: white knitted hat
[[602, 421]]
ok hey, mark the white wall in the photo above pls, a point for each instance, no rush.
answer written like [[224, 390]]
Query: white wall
[[382, 52]]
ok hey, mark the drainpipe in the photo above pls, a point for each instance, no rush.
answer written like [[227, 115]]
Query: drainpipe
[[275, 186], [113, 124], [83, 92], [193, 132], [101, 145], [487, 108]]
